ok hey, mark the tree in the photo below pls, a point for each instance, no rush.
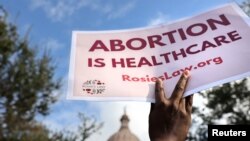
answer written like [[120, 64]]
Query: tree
[[26, 82], [229, 103], [88, 126], [30, 132], [63, 136], [246, 6]]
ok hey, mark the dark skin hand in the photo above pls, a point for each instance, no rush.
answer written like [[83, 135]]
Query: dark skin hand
[[170, 119]]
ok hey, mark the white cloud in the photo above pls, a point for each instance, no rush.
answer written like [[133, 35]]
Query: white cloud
[[159, 19], [55, 11], [52, 44], [121, 11], [39, 3], [60, 9], [97, 5]]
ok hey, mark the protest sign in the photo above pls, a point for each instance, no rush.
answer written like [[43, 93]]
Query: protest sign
[[124, 64]]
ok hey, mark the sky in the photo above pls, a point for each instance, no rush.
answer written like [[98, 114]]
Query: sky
[[50, 24]]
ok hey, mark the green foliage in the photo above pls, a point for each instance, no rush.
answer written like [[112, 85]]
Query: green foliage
[[29, 132], [246, 6], [26, 83], [229, 103], [26, 89]]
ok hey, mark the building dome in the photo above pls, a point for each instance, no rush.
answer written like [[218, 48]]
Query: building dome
[[124, 133]]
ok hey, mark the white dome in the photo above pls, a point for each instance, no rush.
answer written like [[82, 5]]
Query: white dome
[[124, 134]]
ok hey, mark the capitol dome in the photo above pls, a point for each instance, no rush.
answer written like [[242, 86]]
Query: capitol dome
[[124, 133]]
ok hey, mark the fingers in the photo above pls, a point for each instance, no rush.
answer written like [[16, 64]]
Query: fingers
[[189, 103], [159, 91], [180, 87]]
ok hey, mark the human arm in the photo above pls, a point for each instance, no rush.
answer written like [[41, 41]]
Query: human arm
[[170, 119]]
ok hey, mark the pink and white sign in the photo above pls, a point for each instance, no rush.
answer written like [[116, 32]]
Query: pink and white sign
[[124, 64]]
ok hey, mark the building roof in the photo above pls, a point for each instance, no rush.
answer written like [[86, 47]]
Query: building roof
[[124, 133]]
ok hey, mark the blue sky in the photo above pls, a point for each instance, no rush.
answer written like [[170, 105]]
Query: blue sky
[[51, 23]]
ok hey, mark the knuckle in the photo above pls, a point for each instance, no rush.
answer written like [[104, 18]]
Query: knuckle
[[183, 113], [179, 87], [158, 90], [173, 110], [183, 78], [174, 106], [161, 104]]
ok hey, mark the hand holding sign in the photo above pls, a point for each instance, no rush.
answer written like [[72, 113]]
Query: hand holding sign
[[127, 63], [169, 119]]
